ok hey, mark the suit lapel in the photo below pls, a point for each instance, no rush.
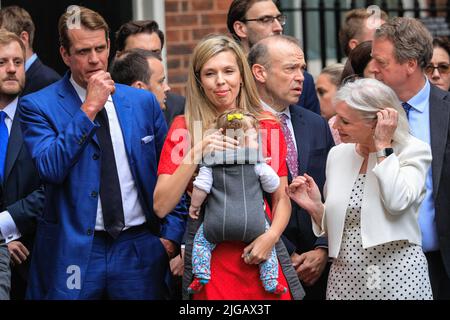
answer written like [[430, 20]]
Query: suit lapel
[[125, 115], [15, 143], [439, 123], [301, 133], [69, 99]]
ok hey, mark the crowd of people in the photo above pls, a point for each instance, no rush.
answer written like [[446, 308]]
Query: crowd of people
[[259, 184]]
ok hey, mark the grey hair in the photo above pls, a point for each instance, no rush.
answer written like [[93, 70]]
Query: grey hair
[[368, 97], [334, 72], [260, 53], [410, 38]]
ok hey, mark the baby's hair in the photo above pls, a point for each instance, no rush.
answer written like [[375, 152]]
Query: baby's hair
[[235, 122]]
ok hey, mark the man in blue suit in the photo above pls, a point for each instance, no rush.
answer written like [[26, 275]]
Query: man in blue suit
[[278, 64], [96, 146]]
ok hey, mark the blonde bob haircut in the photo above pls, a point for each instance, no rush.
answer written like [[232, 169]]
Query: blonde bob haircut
[[198, 106]]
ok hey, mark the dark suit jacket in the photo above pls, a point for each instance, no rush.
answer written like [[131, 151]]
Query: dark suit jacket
[[440, 148], [39, 76], [308, 99], [22, 195], [21, 192], [174, 107], [314, 141]]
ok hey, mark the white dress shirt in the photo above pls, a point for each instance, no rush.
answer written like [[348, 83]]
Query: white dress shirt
[[8, 227], [133, 212]]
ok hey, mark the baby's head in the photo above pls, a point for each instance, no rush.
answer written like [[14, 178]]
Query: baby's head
[[239, 125]]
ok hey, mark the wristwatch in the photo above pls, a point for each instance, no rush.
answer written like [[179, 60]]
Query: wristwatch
[[386, 152]]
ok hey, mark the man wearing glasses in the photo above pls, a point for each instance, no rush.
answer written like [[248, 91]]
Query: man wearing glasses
[[249, 21]]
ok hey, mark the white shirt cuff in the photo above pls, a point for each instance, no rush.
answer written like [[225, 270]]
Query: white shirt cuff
[[8, 227]]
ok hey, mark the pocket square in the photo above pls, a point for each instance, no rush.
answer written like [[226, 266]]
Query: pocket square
[[147, 139]]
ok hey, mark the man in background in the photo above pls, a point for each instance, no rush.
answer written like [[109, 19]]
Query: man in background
[[21, 193], [359, 26], [141, 69], [18, 21], [145, 34], [249, 21]]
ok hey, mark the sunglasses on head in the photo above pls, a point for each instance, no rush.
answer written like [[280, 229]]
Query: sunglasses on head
[[443, 68]]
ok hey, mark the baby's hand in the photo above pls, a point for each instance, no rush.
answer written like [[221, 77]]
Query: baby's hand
[[194, 212]]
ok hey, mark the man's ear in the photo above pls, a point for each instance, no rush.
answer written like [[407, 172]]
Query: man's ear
[[240, 28], [64, 55], [259, 73], [353, 43], [411, 66], [25, 37], [139, 85]]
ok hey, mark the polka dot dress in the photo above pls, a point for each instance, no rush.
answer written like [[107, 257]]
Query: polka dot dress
[[395, 270]]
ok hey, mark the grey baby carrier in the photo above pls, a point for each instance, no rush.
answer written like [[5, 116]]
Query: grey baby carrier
[[234, 210]]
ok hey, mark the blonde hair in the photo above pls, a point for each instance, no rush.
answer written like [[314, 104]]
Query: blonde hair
[[7, 37], [198, 106]]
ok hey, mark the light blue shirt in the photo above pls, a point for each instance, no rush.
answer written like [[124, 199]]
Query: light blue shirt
[[419, 123], [30, 61]]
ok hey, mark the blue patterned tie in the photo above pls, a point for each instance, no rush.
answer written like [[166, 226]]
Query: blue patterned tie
[[3, 143], [292, 157], [407, 108]]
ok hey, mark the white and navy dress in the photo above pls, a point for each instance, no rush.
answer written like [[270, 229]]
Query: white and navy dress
[[394, 270]]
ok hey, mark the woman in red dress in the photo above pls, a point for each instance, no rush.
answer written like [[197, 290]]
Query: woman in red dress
[[219, 79]]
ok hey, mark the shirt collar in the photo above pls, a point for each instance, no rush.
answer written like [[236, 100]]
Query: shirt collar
[[273, 111], [420, 100], [11, 108], [79, 89], [30, 61], [82, 91]]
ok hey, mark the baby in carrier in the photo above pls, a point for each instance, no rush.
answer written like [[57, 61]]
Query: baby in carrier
[[232, 183]]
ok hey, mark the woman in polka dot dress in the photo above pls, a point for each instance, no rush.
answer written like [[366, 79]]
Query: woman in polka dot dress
[[374, 189]]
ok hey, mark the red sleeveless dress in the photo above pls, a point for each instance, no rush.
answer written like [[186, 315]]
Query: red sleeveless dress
[[231, 277]]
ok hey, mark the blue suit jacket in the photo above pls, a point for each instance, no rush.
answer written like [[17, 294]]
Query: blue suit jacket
[[64, 148]]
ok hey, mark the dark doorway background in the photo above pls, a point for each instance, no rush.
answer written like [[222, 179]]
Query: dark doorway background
[[45, 15]]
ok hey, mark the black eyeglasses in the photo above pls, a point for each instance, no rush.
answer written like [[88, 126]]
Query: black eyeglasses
[[351, 78], [443, 68], [269, 19]]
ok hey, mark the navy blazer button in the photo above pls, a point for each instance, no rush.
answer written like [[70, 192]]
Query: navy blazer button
[[89, 232], [95, 156], [94, 194]]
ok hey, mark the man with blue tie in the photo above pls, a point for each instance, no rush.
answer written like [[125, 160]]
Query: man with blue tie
[[402, 48], [96, 145], [21, 193], [278, 64]]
